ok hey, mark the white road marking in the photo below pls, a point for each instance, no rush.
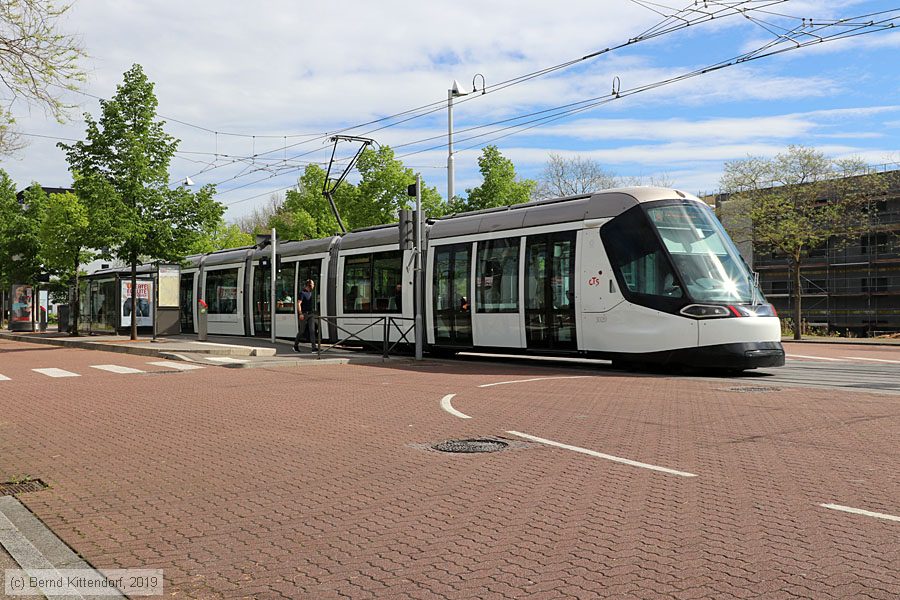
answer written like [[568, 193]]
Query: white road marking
[[445, 404], [4, 378], [56, 373], [617, 459], [227, 359], [884, 360], [533, 379], [116, 369], [813, 357], [859, 511], [168, 364]]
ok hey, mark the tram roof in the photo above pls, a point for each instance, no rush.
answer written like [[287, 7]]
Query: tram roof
[[379, 235], [605, 204], [296, 248]]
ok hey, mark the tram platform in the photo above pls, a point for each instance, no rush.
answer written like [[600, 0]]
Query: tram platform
[[224, 351]]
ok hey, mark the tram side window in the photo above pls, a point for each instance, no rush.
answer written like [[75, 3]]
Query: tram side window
[[638, 257], [370, 282], [357, 283], [497, 278], [222, 292], [284, 290], [387, 275]]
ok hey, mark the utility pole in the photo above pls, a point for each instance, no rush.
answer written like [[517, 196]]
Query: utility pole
[[419, 304], [272, 301]]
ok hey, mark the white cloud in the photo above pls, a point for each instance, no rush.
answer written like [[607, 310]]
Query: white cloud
[[278, 68]]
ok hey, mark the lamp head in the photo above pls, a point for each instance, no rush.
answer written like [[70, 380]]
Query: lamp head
[[457, 90]]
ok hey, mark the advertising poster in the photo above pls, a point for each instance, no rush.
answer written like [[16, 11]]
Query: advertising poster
[[144, 303], [21, 306], [169, 282]]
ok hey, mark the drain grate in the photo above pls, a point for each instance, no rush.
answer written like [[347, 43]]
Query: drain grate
[[471, 446], [12, 488], [754, 389]]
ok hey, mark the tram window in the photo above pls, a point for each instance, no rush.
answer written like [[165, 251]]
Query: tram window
[[639, 260], [284, 290], [497, 279], [370, 282], [222, 292], [357, 283], [387, 275]]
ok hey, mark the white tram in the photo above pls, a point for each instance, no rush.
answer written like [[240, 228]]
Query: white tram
[[636, 275]]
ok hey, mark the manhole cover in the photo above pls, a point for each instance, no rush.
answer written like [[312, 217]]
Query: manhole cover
[[11, 488], [470, 446], [754, 389]]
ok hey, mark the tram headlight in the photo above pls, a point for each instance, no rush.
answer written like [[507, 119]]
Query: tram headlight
[[717, 311], [755, 310], [705, 311]]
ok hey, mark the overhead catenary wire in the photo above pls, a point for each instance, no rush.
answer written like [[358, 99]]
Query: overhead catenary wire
[[429, 108], [673, 21], [859, 28]]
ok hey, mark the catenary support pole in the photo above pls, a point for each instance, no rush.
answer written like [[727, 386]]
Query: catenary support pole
[[272, 301], [419, 304], [450, 174]]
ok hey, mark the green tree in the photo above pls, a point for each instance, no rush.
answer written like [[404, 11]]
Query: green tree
[[381, 192], [66, 236], [222, 237], [19, 242], [123, 166], [797, 201], [500, 185], [36, 61], [305, 213]]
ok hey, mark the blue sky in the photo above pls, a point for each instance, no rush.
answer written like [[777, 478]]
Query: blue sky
[[272, 77]]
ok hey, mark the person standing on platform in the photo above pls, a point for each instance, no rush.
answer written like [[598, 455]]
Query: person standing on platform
[[307, 324]]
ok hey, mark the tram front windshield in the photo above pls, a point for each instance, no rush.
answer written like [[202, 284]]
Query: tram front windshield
[[704, 256]]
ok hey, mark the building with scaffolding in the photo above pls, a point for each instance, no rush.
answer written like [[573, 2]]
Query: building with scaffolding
[[848, 286]]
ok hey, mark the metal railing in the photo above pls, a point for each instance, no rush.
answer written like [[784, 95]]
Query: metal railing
[[385, 346]]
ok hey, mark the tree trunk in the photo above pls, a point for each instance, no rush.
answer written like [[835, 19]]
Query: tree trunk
[[798, 328], [134, 300]]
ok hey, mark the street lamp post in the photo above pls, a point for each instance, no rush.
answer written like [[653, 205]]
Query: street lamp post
[[453, 92]]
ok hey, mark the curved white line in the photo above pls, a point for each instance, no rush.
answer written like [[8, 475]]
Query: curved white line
[[533, 379], [445, 404], [594, 453], [859, 511], [884, 360]]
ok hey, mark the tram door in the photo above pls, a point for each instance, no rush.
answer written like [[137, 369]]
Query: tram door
[[262, 291], [550, 291], [186, 293], [309, 269], [452, 294]]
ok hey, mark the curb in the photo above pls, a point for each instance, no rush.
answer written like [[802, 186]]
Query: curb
[[82, 344]]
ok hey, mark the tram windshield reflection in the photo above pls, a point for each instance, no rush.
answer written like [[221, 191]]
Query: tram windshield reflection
[[706, 259]]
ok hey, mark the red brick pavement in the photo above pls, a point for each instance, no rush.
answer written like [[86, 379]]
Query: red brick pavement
[[316, 482]]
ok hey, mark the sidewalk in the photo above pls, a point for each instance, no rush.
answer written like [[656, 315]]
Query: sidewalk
[[225, 351]]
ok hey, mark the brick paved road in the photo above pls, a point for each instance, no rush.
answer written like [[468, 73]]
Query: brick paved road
[[316, 482]]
